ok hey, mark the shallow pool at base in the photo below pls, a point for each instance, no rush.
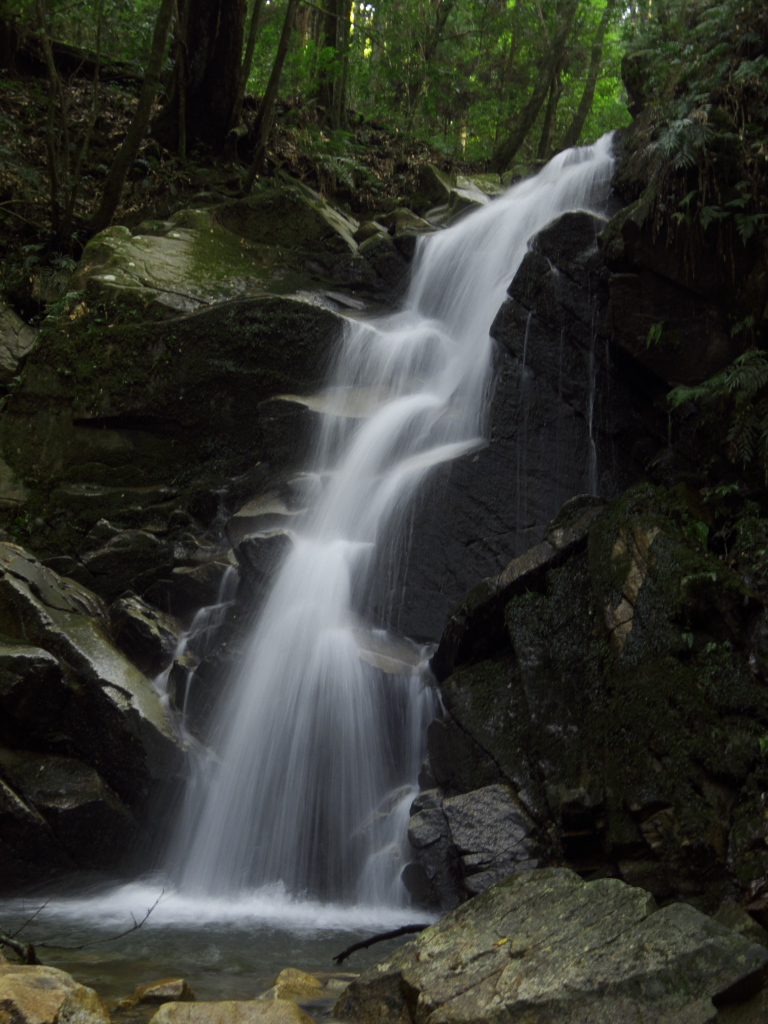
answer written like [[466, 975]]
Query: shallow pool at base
[[224, 948]]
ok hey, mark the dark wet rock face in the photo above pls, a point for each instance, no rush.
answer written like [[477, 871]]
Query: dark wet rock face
[[84, 737], [569, 416], [609, 683], [546, 948], [671, 301]]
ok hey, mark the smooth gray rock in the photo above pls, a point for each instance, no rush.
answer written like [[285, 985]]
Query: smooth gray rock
[[544, 947], [493, 836]]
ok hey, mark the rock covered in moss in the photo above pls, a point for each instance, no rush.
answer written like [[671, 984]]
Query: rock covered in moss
[[614, 691], [547, 948]]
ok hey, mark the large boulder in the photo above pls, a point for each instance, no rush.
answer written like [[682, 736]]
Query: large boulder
[[86, 817], [147, 402], [569, 416], [46, 995], [87, 736], [546, 948], [614, 679], [158, 428]]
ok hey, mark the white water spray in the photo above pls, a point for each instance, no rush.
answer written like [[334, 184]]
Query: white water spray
[[318, 747]]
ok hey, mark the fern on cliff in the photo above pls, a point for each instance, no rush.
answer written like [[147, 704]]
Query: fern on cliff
[[738, 397], [702, 134]]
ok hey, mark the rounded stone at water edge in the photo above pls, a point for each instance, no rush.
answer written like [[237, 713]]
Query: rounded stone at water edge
[[255, 1011], [46, 995], [165, 990]]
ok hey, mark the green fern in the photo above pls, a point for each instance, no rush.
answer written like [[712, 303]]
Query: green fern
[[681, 141], [740, 391]]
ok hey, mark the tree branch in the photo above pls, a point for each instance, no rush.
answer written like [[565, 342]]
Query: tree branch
[[407, 929]]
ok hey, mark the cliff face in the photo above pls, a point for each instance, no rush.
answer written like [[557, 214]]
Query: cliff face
[[571, 414], [605, 690], [607, 710]]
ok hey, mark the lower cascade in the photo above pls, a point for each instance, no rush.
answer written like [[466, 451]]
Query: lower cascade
[[319, 738]]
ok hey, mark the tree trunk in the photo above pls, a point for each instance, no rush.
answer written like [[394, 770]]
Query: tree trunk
[[211, 75], [264, 116], [573, 132], [332, 79], [549, 116], [245, 68], [506, 150], [443, 10], [126, 154]]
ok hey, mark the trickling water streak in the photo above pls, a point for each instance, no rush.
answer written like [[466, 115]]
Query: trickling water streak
[[521, 473], [315, 739]]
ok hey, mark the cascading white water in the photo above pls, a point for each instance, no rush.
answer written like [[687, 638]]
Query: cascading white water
[[317, 746]]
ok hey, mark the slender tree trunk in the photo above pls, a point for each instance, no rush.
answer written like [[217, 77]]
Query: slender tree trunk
[[266, 110], [549, 116], [56, 139], [126, 154], [245, 68], [332, 80], [508, 147], [181, 77], [74, 187], [443, 10], [574, 129]]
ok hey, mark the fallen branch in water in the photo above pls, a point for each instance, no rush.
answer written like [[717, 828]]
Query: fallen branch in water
[[26, 953], [407, 929], [110, 938]]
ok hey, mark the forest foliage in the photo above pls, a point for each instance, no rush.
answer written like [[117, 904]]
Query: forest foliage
[[494, 84]]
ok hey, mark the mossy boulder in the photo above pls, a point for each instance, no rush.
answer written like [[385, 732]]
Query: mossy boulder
[[546, 948], [115, 415], [617, 692]]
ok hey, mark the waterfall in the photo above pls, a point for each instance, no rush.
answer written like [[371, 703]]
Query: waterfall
[[319, 738]]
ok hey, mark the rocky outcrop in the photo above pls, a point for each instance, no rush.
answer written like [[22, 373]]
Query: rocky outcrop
[[86, 736], [569, 416], [546, 948], [613, 681], [280, 238]]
